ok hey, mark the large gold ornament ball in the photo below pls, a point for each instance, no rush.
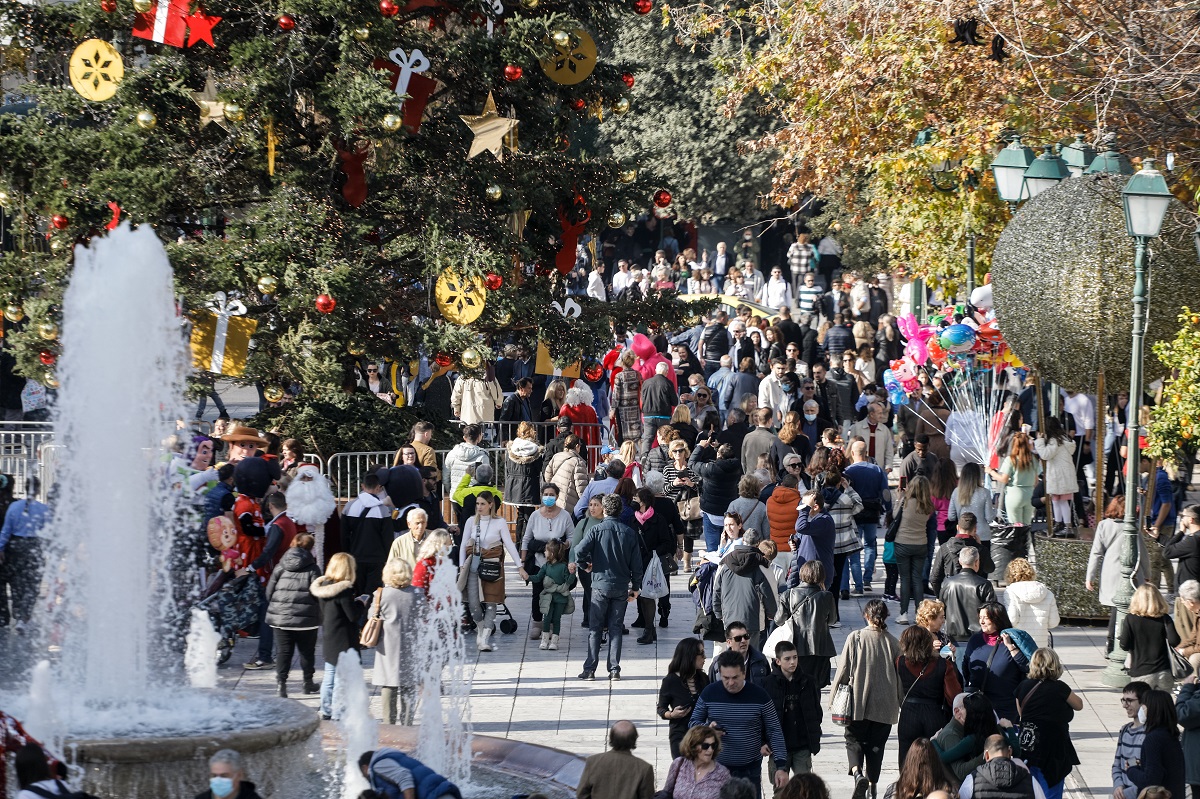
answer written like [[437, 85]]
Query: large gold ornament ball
[[268, 284], [616, 219], [14, 313], [393, 122], [5, 199], [146, 120], [142, 6], [460, 299], [622, 106], [234, 112], [471, 359], [48, 331], [530, 5], [95, 70], [356, 348], [561, 39], [573, 59], [49, 380], [504, 318], [627, 175], [273, 393], [494, 192], [1063, 292], [361, 34]]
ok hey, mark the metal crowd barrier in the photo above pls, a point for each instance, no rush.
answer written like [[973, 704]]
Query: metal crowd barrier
[[21, 445]]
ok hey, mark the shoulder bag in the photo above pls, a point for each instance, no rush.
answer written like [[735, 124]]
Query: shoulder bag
[[894, 528], [668, 790], [841, 711], [1029, 735], [374, 626], [489, 570], [689, 509], [1181, 667]]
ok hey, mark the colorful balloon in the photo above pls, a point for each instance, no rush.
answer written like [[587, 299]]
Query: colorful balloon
[[957, 338]]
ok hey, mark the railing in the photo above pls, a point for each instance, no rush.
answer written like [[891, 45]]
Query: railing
[[21, 445]]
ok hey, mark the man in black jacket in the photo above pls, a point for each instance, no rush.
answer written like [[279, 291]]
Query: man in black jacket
[[737, 638], [964, 594], [1185, 546], [714, 342], [798, 705], [519, 407], [945, 564], [658, 403]]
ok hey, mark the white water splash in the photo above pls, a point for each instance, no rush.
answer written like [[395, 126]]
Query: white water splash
[[200, 660], [360, 730], [44, 710]]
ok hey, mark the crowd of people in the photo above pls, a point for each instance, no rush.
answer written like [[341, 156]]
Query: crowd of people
[[761, 461]]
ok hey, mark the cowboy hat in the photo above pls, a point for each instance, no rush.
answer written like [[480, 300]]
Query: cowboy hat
[[240, 433]]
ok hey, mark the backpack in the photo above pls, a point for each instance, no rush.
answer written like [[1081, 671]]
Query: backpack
[[63, 792], [702, 586]]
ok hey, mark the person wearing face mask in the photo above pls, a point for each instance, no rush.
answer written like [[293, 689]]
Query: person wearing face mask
[[813, 424], [227, 778], [548, 523], [1129, 739]]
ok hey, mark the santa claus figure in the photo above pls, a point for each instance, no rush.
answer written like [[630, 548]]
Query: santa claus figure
[[649, 358], [311, 504], [577, 406]]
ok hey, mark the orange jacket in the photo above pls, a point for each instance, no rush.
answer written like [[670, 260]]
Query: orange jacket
[[781, 515]]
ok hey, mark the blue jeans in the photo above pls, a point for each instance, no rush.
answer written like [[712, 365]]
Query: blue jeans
[[712, 534], [266, 635], [605, 612], [327, 687], [869, 534], [1051, 791]]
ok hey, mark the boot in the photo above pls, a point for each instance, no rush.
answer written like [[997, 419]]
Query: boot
[[311, 687], [545, 644], [648, 637], [535, 630], [483, 640], [687, 562], [553, 641], [282, 692]]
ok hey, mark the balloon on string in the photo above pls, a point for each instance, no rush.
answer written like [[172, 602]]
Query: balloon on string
[[916, 338], [957, 339]]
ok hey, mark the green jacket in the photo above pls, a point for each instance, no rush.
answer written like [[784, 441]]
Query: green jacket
[[556, 581]]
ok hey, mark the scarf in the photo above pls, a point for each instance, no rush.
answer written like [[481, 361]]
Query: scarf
[[643, 517]]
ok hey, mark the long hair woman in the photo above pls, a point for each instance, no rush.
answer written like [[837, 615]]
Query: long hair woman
[[1162, 760], [921, 773], [1104, 563], [929, 684], [682, 486], [1018, 474], [485, 535], [341, 612], [971, 495], [626, 403], [945, 480], [911, 545], [1057, 449], [1145, 634], [791, 439], [685, 680]]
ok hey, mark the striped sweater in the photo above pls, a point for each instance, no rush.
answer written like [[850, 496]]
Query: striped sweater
[[1129, 747], [749, 720]]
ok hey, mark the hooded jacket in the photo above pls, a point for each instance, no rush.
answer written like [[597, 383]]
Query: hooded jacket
[[1032, 607], [569, 471], [523, 472], [781, 515], [340, 613], [474, 400], [798, 706], [457, 461], [720, 479], [743, 589], [290, 603]]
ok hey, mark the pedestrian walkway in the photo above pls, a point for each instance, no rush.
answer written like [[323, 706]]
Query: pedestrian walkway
[[523, 693]]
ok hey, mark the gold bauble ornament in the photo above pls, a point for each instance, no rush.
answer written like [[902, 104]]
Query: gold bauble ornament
[[494, 192], [627, 175], [49, 380], [55, 245], [530, 5], [460, 299], [361, 34], [622, 106], [268, 284], [146, 120], [504, 318], [616, 219], [95, 69], [48, 331], [470, 358], [561, 39], [5, 199], [356, 348], [14, 313], [142, 6], [234, 112], [393, 122], [273, 393]]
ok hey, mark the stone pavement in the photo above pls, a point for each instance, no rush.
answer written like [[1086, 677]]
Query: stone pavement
[[523, 693]]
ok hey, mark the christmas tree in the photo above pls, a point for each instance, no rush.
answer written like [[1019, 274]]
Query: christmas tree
[[334, 180]]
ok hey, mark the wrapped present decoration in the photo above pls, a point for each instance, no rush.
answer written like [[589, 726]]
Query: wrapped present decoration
[[221, 336], [544, 364]]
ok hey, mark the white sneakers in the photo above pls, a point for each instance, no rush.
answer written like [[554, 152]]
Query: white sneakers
[[903, 619], [545, 644]]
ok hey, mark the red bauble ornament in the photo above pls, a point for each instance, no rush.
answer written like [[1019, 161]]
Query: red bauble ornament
[[627, 79], [59, 222], [443, 360], [388, 8], [108, 6], [325, 303], [493, 281], [47, 357], [579, 104], [286, 22], [643, 7], [593, 372], [513, 72], [662, 198]]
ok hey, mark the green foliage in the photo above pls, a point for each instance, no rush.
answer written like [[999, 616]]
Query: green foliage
[[679, 128], [1175, 422], [229, 222], [856, 230]]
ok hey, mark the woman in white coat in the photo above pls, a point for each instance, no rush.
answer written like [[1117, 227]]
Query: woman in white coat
[[1057, 449], [1104, 565], [1030, 604]]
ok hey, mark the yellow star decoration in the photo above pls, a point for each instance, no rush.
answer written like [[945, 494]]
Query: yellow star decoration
[[490, 130], [211, 109]]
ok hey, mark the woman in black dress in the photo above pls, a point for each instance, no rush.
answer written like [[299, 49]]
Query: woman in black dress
[[684, 681]]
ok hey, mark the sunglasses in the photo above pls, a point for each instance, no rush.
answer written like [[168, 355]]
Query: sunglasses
[[702, 396], [739, 638], [708, 745], [792, 466]]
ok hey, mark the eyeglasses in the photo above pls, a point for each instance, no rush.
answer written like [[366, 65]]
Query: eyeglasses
[[708, 745], [737, 639], [1125, 701]]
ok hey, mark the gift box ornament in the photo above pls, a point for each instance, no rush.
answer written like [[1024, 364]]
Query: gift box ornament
[[544, 364], [221, 336]]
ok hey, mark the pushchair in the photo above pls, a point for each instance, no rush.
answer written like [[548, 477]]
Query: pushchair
[[231, 605]]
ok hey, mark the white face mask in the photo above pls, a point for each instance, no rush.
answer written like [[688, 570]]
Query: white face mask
[[1141, 715]]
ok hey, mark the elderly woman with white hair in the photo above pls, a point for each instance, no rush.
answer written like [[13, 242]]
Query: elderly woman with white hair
[[1187, 622], [227, 778], [396, 669]]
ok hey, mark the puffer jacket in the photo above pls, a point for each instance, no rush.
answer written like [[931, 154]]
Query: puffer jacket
[[340, 616], [290, 603], [743, 589], [720, 479], [842, 505], [569, 471], [476, 401], [1032, 607], [522, 472], [1060, 465], [457, 461], [782, 510], [810, 609]]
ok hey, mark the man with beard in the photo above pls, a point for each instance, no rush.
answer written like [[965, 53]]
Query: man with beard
[[310, 503]]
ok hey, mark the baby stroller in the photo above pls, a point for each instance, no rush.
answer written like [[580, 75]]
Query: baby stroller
[[232, 605]]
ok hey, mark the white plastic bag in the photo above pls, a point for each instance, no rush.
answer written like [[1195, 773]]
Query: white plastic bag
[[654, 581]]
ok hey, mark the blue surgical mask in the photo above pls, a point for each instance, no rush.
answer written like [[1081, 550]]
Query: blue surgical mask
[[220, 786], [549, 501], [789, 389], [811, 417]]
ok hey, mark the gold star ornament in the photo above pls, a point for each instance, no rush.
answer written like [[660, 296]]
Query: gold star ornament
[[211, 109], [490, 130]]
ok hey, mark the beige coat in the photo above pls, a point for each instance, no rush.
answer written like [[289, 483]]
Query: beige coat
[[885, 446], [868, 666], [569, 471], [475, 401]]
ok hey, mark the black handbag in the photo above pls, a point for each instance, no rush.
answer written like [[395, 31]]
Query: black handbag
[[894, 527], [490, 571]]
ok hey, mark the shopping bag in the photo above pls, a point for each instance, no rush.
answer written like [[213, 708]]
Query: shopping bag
[[654, 581]]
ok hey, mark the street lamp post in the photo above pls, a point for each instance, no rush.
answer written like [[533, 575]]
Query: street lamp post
[[1145, 199], [971, 263], [1046, 172], [1078, 155], [1008, 168]]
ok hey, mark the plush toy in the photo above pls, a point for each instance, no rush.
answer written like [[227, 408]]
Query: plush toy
[[649, 358]]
